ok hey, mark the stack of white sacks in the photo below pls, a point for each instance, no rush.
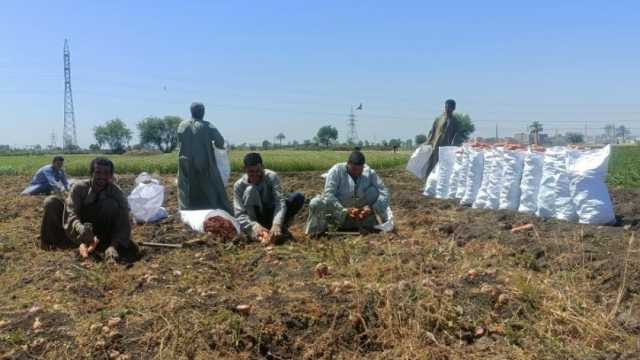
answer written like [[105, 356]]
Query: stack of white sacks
[[562, 183]]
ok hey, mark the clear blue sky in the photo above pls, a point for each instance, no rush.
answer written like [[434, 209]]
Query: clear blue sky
[[264, 67]]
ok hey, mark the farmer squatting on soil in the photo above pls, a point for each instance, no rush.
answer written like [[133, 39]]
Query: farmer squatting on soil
[[353, 198], [48, 179], [262, 209], [95, 216]]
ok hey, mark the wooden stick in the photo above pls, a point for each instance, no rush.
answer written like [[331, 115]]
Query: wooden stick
[[154, 244]]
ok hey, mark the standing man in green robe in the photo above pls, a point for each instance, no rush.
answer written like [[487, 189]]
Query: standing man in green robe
[[444, 132], [200, 184]]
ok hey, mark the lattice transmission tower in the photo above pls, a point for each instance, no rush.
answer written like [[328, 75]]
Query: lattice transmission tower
[[352, 137], [69, 138]]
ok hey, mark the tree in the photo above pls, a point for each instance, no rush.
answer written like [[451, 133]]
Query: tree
[[326, 134], [94, 147], [395, 143], [280, 137], [266, 144], [536, 129], [574, 138], [420, 139], [160, 132], [114, 133], [467, 128], [623, 132]]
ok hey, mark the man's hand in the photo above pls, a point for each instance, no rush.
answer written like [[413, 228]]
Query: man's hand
[[365, 212], [276, 231], [86, 250], [263, 235], [353, 213], [85, 233]]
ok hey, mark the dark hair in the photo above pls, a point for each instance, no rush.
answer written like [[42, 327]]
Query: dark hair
[[58, 158], [356, 158], [197, 110], [102, 162], [451, 102], [252, 159]]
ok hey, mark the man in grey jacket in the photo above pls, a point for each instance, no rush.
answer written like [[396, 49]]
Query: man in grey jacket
[[259, 203]]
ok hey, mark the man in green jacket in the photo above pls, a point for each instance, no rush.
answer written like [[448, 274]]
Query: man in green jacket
[[444, 132], [200, 184]]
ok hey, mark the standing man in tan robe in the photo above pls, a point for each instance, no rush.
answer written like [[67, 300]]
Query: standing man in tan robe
[[444, 132]]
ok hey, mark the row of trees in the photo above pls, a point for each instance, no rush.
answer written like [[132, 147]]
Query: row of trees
[[162, 134], [155, 132]]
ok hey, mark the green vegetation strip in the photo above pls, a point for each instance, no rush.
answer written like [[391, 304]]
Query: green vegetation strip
[[624, 167], [277, 160]]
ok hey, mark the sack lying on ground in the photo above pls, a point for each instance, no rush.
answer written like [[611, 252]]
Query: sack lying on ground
[[530, 185], [588, 188], [195, 219], [419, 160]]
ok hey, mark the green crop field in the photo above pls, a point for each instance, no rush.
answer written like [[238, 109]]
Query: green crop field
[[277, 160], [624, 165]]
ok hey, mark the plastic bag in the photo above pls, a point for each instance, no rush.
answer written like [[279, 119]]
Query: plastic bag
[[474, 177], [554, 198], [588, 188], [195, 218], [511, 179], [419, 160], [146, 199], [446, 161], [223, 164], [530, 184]]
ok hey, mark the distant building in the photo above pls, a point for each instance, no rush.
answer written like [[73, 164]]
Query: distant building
[[521, 138]]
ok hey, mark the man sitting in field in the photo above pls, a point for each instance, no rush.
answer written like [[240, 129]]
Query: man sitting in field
[[48, 179], [354, 198], [94, 218], [259, 203]]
